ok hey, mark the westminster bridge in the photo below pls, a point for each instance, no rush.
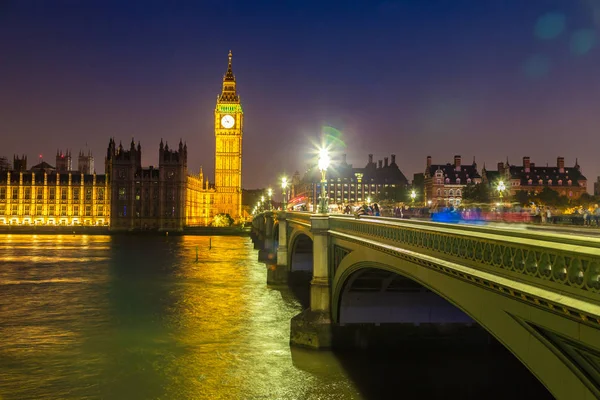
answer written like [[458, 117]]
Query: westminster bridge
[[537, 293]]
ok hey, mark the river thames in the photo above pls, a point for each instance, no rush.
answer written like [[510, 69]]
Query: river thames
[[137, 317]]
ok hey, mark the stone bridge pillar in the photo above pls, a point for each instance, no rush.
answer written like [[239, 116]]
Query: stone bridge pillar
[[267, 250], [258, 224], [312, 328], [278, 273]]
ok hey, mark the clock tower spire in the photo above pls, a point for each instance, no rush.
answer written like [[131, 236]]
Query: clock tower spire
[[229, 120]]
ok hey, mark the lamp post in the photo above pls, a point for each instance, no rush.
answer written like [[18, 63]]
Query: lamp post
[[501, 189], [262, 202], [284, 184], [429, 203], [323, 164], [413, 195], [270, 193]]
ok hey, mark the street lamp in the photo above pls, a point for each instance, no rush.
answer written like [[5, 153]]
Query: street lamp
[[501, 189], [429, 203], [413, 194], [323, 164], [284, 184], [368, 200], [270, 193]]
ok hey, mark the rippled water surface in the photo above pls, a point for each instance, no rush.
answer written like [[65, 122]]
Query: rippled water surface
[[99, 317]]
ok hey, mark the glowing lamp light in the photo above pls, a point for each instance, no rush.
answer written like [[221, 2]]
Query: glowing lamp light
[[324, 159], [284, 183]]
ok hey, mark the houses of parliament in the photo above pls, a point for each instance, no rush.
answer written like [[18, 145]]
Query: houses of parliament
[[128, 196]]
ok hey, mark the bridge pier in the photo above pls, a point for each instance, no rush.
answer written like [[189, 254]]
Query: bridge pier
[[312, 327], [277, 273], [258, 232], [266, 253]]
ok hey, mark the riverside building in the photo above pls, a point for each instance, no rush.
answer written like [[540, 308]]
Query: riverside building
[[129, 196]]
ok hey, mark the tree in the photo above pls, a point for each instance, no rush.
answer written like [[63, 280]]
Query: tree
[[476, 194], [551, 198], [586, 200], [222, 220], [392, 194], [522, 197]]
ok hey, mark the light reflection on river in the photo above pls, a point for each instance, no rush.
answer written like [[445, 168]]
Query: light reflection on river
[[139, 318], [131, 317]]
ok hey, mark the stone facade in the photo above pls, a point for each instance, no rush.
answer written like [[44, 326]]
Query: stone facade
[[44, 196], [349, 185], [567, 181], [444, 183]]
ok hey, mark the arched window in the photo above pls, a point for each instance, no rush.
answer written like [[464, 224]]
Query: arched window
[[457, 180], [541, 182], [451, 192], [549, 181], [458, 192], [529, 182], [569, 182], [447, 180], [445, 193], [560, 181], [439, 192], [469, 180], [439, 181]]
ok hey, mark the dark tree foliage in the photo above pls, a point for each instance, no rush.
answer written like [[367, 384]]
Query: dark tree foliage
[[476, 194], [551, 198]]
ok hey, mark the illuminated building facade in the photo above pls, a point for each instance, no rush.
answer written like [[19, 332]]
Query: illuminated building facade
[[567, 181], [129, 196], [349, 185], [44, 196], [229, 121], [444, 183]]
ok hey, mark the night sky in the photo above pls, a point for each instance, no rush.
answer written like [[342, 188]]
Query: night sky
[[485, 78]]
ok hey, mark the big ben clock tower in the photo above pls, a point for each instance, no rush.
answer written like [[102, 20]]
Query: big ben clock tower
[[229, 120]]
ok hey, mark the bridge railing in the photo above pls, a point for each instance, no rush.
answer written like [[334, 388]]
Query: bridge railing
[[567, 264]]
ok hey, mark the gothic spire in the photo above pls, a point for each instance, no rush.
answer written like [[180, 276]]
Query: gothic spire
[[229, 74], [228, 93]]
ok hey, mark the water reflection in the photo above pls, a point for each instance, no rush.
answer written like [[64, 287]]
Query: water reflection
[[130, 317], [137, 318]]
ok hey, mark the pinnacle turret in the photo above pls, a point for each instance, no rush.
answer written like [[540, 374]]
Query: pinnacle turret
[[229, 93]]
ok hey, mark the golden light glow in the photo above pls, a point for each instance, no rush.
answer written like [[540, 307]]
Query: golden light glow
[[62, 202]]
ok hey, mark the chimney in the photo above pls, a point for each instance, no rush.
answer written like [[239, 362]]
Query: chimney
[[428, 162], [380, 162], [527, 164], [370, 158], [393, 159], [560, 163], [457, 163], [385, 162]]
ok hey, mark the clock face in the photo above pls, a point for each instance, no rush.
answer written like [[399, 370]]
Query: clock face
[[227, 121]]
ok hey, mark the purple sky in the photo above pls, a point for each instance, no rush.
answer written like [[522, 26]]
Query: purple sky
[[491, 79]]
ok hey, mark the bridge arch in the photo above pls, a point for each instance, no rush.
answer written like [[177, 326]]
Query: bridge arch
[[300, 251], [516, 325]]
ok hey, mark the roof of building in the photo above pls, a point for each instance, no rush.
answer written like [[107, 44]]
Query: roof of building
[[449, 171], [371, 173], [550, 176], [42, 166]]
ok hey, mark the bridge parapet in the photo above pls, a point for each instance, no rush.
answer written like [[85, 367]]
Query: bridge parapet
[[540, 259]]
